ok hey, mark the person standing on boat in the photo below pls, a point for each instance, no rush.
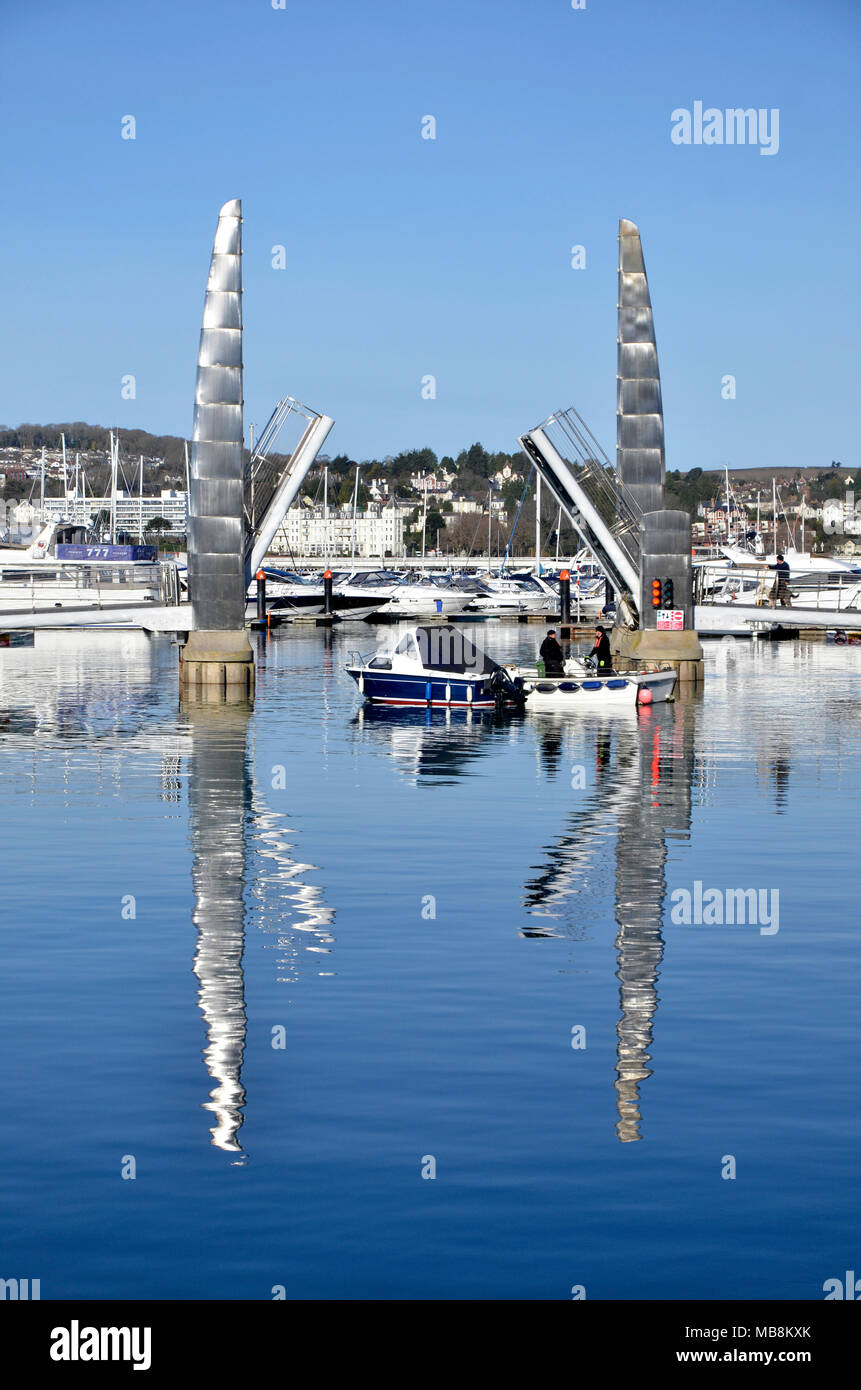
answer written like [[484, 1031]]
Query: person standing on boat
[[552, 655], [600, 653], [780, 590]]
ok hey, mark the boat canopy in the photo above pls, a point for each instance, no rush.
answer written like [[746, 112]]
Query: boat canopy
[[444, 647]]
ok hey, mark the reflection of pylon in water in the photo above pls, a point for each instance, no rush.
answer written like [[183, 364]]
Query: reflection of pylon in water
[[641, 853], [640, 950]]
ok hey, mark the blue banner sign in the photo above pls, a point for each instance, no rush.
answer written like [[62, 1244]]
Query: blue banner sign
[[107, 552]]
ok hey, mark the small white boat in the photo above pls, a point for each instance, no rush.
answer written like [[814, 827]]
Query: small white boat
[[580, 687], [595, 692]]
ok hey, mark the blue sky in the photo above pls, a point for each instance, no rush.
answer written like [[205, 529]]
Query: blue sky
[[450, 257]]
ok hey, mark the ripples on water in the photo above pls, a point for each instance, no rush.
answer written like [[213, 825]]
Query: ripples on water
[[393, 921]]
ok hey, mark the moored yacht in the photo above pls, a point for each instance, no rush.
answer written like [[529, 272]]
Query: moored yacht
[[434, 664], [68, 575], [513, 593], [419, 596], [289, 592]]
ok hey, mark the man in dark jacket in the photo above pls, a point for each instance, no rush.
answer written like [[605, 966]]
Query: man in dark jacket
[[600, 653], [552, 656], [780, 589]]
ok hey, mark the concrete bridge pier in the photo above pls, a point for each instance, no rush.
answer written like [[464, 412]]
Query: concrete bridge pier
[[218, 661], [665, 569]]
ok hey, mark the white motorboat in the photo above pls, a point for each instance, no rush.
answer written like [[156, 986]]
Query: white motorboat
[[290, 593], [514, 593], [588, 589], [581, 687], [421, 596], [64, 570]]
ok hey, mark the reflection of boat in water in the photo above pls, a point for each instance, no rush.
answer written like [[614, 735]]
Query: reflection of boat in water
[[433, 744]]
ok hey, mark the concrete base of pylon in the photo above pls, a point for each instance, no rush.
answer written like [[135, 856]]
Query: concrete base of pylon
[[637, 651], [217, 661]]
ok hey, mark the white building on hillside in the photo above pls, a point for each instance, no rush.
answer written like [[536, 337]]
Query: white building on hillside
[[841, 518], [132, 513], [376, 531]]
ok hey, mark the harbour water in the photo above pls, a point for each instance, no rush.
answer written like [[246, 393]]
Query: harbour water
[[264, 967]]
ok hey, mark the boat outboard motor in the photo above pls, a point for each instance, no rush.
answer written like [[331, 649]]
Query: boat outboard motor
[[507, 689]]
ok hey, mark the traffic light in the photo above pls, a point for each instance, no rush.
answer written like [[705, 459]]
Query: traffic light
[[656, 593], [668, 593]]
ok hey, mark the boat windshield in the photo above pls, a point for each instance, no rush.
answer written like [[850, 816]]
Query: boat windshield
[[407, 646], [287, 576]]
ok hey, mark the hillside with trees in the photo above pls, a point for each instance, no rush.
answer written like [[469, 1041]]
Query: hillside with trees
[[474, 474]]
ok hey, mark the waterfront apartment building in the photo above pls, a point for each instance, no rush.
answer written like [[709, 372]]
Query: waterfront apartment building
[[376, 531], [132, 513]]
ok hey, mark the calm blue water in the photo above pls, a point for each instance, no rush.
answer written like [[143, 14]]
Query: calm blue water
[[426, 906]]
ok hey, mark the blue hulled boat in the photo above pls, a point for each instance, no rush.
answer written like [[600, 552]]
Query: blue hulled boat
[[434, 665]]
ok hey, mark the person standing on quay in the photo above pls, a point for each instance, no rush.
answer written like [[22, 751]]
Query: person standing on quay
[[780, 590]]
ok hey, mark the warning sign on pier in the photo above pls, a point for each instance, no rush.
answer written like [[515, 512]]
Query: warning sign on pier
[[670, 620]]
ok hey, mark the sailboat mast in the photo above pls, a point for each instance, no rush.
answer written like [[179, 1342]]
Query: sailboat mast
[[537, 522], [326, 511], [424, 512], [113, 501], [774, 513], [355, 508], [140, 526]]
